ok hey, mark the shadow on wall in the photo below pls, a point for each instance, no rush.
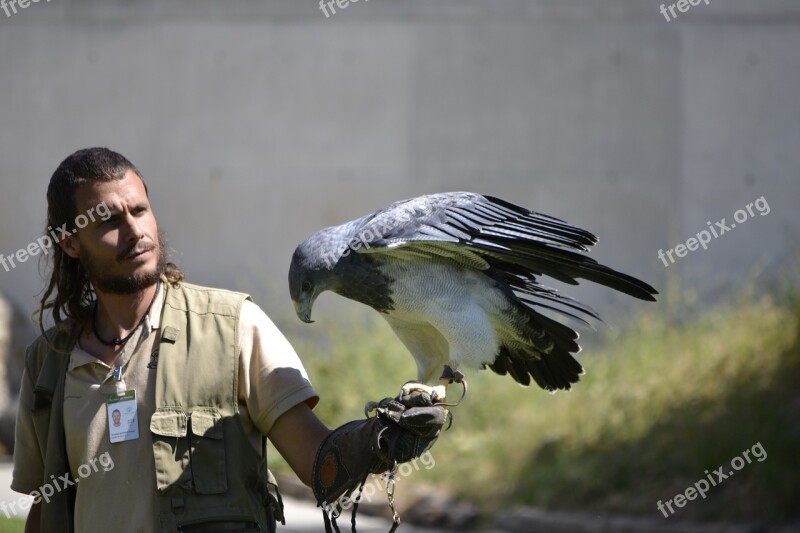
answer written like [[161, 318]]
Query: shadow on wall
[[16, 332]]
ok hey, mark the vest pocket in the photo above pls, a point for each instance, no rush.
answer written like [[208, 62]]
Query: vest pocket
[[207, 450], [189, 449], [170, 447]]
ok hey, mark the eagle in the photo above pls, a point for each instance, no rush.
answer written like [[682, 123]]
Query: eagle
[[457, 276]]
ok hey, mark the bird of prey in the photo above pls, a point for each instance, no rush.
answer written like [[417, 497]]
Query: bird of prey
[[457, 277]]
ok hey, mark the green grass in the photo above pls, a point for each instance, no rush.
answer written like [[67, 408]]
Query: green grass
[[11, 525], [660, 404]]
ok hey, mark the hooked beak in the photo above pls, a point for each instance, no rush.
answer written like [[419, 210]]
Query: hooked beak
[[303, 311]]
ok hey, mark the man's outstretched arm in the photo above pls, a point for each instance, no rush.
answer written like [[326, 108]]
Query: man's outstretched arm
[[335, 462], [297, 435]]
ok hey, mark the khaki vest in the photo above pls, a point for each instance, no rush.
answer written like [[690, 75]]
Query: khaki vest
[[206, 469]]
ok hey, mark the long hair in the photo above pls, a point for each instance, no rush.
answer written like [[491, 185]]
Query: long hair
[[69, 294]]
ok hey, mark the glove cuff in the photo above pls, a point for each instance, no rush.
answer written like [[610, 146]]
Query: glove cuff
[[351, 452], [345, 459]]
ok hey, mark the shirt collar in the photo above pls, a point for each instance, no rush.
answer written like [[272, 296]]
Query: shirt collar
[[153, 320]]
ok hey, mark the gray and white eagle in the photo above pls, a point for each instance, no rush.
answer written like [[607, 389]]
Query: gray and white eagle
[[456, 276]]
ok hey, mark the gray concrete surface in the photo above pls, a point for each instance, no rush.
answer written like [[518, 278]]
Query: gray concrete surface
[[257, 123]]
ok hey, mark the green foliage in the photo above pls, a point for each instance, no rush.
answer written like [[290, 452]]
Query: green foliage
[[659, 405], [11, 525]]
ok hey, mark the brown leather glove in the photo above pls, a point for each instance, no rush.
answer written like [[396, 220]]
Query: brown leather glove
[[401, 430]]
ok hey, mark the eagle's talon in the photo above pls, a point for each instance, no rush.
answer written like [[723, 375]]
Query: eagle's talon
[[369, 407], [463, 393]]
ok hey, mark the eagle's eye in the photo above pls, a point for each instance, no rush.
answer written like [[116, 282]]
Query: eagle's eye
[[306, 286]]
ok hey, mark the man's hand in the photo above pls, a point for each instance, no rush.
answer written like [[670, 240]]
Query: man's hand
[[418, 423], [401, 430]]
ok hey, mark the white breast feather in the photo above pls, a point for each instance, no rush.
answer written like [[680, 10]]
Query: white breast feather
[[442, 314]]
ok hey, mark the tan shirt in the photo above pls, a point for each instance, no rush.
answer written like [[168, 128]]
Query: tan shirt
[[116, 482]]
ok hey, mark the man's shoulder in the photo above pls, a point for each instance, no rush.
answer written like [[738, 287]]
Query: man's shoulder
[[53, 336], [55, 340], [190, 296], [252, 316], [211, 292]]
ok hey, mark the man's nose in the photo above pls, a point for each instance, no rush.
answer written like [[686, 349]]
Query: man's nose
[[133, 228]]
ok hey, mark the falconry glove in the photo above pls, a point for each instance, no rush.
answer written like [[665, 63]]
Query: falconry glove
[[402, 429]]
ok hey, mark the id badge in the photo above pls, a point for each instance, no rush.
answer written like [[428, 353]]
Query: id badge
[[123, 423]]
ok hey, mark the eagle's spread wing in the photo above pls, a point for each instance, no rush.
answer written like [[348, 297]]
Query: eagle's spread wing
[[490, 234], [456, 276]]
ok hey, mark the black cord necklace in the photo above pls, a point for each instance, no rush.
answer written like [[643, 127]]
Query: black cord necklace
[[117, 341]]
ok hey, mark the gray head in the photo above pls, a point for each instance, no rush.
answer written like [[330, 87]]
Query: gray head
[[311, 271]]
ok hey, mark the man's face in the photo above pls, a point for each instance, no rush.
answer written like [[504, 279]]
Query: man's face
[[117, 417], [121, 254]]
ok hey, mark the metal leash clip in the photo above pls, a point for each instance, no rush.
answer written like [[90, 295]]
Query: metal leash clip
[[391, 483]]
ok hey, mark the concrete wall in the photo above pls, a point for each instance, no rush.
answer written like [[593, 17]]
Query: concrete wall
[[256, 123]]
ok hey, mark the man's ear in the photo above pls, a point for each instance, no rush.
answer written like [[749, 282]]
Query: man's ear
[[70, 246]]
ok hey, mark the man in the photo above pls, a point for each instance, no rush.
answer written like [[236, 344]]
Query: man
[[117, 417], [204, 371]]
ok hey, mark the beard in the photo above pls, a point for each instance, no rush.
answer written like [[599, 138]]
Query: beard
[[97, 271]]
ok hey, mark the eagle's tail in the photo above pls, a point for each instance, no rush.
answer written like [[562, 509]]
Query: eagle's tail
[[545, 354]]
